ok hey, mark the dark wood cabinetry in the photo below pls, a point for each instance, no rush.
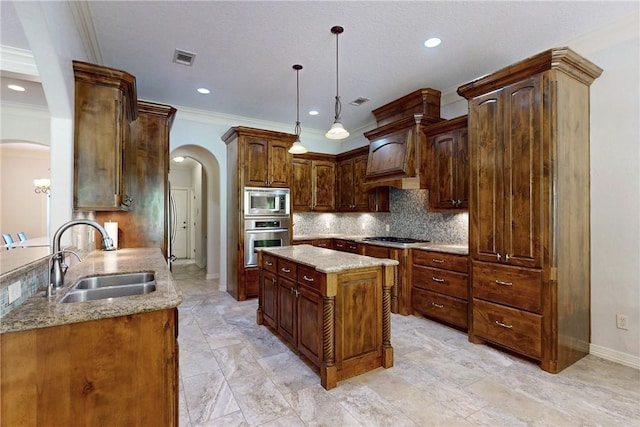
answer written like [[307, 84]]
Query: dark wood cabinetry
[[146, 176], [255, 158], [116, 371], [352, 195], [529, 207], [448, 159], [313, 186], [267, 160], [105, 105], [339, 321], [440, 286]]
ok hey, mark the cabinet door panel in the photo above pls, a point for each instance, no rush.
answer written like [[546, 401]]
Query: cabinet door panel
[[442, 194], [485, 145], [324, 175], [360, 196], [310, 324], [287, 310], [279, 164], [461, 175], [345, 185], [269, 295], [523, 173], [301, 185], [256, 173]]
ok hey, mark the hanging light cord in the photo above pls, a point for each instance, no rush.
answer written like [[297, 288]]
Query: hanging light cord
[[338, 103], [297, 127]]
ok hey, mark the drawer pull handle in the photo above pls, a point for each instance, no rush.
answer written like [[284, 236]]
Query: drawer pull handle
[[437, 260], [269, 263], [499, 323], [500, 282], [437, 279], [437, 305], [307, 278], [286, 270]]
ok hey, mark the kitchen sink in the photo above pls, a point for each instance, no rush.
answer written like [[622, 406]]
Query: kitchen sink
[[123, 279], [110, 286]]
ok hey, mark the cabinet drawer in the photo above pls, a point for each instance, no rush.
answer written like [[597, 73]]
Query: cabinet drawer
[[516, 329], [446, 282], [269, 263], [444, 308], [513, 286], [309, 277], [441, 260], [287, 269], [322, 243]]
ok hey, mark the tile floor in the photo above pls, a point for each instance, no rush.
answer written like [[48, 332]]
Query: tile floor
[[234, 372]]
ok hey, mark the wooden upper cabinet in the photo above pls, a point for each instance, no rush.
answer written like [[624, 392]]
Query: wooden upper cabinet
[[506, 175], [313, 185], [353, 195], [105, 105], [448, 157], [268, 162]]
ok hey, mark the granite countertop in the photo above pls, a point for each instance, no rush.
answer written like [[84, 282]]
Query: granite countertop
[[327, 260], [40, 311], [431, 246]]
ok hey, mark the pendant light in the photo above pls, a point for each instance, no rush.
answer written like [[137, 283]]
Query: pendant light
[[297, 147], [337, 131]]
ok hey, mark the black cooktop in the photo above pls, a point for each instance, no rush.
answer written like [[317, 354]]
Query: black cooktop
[[394, 239]]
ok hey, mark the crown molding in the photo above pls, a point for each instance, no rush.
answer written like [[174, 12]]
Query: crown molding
[[86, 30], [17, 60]]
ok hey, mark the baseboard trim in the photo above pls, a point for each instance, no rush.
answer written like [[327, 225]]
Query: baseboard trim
[[615, 356]]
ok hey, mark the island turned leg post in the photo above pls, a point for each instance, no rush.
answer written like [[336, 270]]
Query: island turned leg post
[[387, 349], [328, 372]]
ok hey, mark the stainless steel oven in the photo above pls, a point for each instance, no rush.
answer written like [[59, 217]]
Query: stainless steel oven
[[263, 232], [266, 201]]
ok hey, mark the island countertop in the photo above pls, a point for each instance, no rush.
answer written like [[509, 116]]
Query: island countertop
[[327, 260], [40, 311]]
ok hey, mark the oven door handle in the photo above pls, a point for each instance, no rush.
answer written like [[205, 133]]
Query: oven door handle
[[266, 230]]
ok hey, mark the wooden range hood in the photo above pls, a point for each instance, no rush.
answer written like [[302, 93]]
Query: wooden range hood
[[397, 154]]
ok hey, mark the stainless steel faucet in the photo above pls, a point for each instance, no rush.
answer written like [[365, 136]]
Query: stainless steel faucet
[[57, 271]]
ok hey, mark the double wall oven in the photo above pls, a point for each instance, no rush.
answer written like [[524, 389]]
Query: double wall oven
[[266, 221]]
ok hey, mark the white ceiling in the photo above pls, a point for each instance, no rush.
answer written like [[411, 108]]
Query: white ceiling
[[245, 49]]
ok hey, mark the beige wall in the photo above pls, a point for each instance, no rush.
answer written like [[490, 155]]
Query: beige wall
[[21, 209]]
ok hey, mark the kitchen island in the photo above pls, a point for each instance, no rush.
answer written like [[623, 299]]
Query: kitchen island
[[111, 361], [332, 307]]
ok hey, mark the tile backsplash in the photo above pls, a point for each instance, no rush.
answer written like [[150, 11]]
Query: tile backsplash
[[408, 218]]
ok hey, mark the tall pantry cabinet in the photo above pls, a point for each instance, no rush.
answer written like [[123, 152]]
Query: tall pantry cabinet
[[529, 207]]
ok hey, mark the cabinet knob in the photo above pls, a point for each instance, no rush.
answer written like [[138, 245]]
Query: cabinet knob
[[498, 256], [506, 257]]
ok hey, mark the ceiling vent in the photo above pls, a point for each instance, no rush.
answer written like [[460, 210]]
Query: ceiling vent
[[183, 57], [359, 101]]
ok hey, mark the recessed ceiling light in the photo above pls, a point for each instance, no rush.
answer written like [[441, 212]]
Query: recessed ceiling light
[[178, 159], [16, 88], [432, 42], [204, 90], [313, 113]]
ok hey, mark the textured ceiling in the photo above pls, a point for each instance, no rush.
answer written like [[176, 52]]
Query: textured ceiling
[[245, 50]]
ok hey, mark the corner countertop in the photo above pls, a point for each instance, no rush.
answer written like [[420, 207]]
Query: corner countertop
[[41, 312], [428, 246], [327, 260]]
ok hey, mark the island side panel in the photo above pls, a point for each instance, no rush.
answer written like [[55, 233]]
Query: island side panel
[[358, 324]]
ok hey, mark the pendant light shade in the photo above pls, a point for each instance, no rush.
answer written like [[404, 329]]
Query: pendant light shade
[[337, 131], [297, 147]]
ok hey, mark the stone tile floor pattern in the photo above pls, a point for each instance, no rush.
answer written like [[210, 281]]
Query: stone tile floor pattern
[[234, 372]]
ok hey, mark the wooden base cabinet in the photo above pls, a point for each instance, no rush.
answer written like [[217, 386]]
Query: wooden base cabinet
[[529, 207], [341, 322], [120, 371], [440, 286]]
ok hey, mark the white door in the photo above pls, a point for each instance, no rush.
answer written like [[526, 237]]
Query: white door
[[181, 242]]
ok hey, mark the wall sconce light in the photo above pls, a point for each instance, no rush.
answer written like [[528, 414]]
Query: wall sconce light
[[43, 185]]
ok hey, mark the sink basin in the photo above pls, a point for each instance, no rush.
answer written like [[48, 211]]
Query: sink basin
[[106, 292], [111, 286], [123, 279]]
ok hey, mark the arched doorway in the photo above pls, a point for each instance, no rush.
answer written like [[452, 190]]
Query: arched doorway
[[206, 232]]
